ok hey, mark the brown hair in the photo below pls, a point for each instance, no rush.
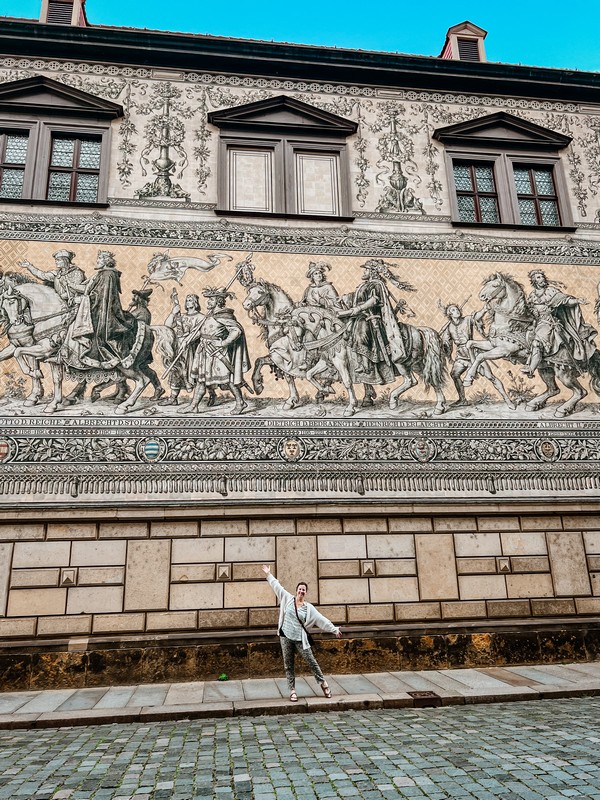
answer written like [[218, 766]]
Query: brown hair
[[302, 583]]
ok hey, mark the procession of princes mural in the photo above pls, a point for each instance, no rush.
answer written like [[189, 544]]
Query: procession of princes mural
[[239, 344]]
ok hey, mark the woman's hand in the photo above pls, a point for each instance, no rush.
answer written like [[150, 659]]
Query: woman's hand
[[266, 569], [338, 635]]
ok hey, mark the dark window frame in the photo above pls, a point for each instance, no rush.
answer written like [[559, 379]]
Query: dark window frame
[[75, 170], [284, 150], [503, 167]]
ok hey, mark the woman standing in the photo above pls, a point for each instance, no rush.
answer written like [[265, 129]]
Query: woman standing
[[295, 617]]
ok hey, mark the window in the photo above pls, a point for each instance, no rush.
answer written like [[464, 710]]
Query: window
[[506, 171], [283, 157], [477, 197], [536, 195], [74, 170], [54, 143], [13, 158]]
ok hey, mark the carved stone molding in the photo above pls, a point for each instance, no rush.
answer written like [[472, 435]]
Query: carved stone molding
[[74, 461], [343, 240]]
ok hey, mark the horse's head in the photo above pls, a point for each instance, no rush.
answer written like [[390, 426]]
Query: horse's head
[[493, 288], [258, 295]]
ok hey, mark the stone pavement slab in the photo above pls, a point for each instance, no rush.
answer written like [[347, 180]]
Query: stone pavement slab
[[268, 696]]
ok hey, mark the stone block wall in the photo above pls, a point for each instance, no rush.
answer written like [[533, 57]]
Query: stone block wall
[[117, 579]]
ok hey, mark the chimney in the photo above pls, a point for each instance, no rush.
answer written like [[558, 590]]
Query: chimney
[[464, 42], [64, 12]]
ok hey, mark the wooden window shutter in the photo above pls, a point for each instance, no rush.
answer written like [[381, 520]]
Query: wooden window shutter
[[468, 50]]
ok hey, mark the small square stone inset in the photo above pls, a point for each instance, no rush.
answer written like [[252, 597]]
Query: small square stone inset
[[223, 572], [503, 564], [367, 568], [68, 577]]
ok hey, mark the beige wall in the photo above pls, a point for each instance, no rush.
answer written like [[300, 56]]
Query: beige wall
[[73, 578]]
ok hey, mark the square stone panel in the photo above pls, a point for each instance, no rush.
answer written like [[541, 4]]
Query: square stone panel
[[256, 548], [417, 611], [498, 523], [36, 602], [443, 524], [524, 544], [476, 545], [592, 542], [98, 554], [410, 524], [197, 551], [476, 566], [17, 533], [30, 578], [482, 587], [123, 530], [386, 567], [226, 527], [394, 589], [319, 525], [332, 591], [248, 595], [536, 585], [72, 531], [192, 573], [272, 527], [95, 600], [391, 545], [365, 525], [32, 555], [165, 530], [342, 547], [339, 569], [196, 596]]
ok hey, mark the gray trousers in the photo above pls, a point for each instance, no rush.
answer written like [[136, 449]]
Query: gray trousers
[[289, 648]]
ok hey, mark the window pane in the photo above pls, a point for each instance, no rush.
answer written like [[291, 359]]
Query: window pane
[[522, 181], [11, 183], [250, 180], [59, 187], [462, 178], [466, 209], [527, 212], [16, 149], [543, 181], [489, 209], [549, 212], [317, 190], [89, 154], [62, 152], [485, 179], [87, 189]]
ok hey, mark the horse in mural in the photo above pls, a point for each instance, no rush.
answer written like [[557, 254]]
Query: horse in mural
[[32, 316], [49, 343], [295, 339], [508, 337], [286, 327]]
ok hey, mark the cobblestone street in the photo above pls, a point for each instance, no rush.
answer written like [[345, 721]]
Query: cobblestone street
[[514, 751]]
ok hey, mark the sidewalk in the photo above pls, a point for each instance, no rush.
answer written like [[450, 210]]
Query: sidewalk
[[205, 699]]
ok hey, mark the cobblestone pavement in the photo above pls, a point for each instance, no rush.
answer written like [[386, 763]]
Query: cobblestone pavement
[[517, 751]]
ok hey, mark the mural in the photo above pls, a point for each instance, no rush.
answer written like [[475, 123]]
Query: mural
[[151, 375]]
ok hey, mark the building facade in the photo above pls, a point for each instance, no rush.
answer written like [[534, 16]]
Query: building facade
[[330, 310]]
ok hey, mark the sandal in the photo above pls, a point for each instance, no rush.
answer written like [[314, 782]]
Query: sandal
[[326, 690], [293, 697]]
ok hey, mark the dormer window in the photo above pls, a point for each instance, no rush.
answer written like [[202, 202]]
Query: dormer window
[[283, 157], [464, 42], [54, 143], [506, 171]]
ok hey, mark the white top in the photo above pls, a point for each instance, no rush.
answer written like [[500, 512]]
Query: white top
[[313, 617]]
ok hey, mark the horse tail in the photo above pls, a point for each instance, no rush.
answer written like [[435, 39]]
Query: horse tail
[[434, 359], [166, 343], [594, 370]]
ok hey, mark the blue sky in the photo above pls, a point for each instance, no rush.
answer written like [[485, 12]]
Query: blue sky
[[533, 32]]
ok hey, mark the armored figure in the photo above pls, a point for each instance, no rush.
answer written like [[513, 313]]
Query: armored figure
[[67, 279], [560, 333]]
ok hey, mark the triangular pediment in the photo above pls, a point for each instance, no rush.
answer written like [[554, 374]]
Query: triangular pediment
[[42, 95], [282, 115], [467, 28], [503, 131]]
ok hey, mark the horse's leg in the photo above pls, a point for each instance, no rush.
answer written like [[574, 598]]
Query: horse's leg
[[368, 396], [487, 372], [342, 364], [547, 374], [408, 382], [37, 388], [97, 389], [323, 391], [294, 398], [57, 379], [568, 378], [75, 394], [489, 353], [140, 382], [257, 380]]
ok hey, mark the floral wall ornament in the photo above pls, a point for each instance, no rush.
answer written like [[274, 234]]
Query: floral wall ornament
[[396, 147], [164, 132]]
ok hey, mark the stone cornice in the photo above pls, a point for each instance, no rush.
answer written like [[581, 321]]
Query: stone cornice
[[247, 57]]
